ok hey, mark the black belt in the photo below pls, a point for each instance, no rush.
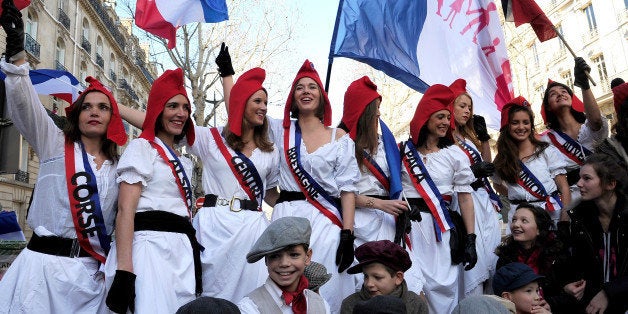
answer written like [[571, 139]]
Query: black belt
[[419, 203], [289, 196], [168, 222], [573, 176], [211, 200], [56, 246], [518, 202]]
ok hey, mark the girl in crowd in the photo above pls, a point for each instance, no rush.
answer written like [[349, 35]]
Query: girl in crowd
[[155, 239], [73, 207], [617, 145], [486, 203], [599, 235], [433, 170], [529, 170], [534, 242], [570, 130]]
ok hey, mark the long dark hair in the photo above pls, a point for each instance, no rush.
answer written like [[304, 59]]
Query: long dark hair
[[73, 132], [551, 118], [508, 150], [608, 170], [366, 134], [177, 138], [443, 142], [260, 137]]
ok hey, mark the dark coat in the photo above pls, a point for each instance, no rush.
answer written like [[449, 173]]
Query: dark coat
[[414, 303]]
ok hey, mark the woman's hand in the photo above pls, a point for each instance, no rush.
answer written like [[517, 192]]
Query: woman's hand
[[393, 207], [576, 288], [598, 304]]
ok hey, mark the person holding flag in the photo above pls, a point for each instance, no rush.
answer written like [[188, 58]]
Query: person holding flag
[[486, 203], [433, 170], [75, 198], [155, 241]]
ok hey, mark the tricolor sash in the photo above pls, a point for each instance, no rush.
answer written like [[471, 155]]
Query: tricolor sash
[[376, 170], [530, 183], [426, 187], [181, 178], [475, 156], [243, 169], [314, 193], [85, 203], [568, 146]]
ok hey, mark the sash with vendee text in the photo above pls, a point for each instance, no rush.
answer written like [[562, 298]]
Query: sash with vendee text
[[426, 187], [475, 156], [85, 203], [243, 169], [568, 146], [530, 183], [314, 193], [181, 178]]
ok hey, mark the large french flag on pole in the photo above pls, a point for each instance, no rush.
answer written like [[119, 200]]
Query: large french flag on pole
[[9, 227], [61, 84], [424, 42], [163, 17]]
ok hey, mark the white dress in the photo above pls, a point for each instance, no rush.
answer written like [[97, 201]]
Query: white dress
[[449, 169], [162, 261], [545, 167], [334, 167], [228, 235], [42, 283]]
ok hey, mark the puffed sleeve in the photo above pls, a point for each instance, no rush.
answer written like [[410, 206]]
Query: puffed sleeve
[[272, 178], [347, 171], [202, 141], [136, 163], [275, 130], [463, 176], [590, 136], [555, 162]]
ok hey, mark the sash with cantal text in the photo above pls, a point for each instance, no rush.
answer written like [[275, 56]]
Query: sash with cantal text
[[426, 187], [243, 169], [181, 178], [568, 146], [314, 193], [85, 203], [530, 183], [474, 157]]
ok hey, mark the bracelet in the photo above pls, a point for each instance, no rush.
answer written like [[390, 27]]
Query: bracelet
[[370, 203]]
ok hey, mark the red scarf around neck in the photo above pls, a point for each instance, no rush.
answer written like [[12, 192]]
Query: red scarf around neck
[[299, 304]]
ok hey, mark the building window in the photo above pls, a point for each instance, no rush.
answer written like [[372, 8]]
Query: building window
[[83, 73], [30, 27], [600, 65], [63, 5], [540, 90], [23, 155], [60, 55], [626, 4], [590, 17], [567, 79]]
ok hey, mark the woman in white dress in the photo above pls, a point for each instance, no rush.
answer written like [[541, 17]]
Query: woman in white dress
[[74, 201], [155, 264], [433, 170]]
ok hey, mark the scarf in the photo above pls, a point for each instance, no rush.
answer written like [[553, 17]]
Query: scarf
[[297, 298]]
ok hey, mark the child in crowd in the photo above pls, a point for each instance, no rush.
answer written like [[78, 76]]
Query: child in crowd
[[285, 246], [317, 275], [518, 283], [383, 264]]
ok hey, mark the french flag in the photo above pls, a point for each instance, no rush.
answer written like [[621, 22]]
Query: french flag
[[9, 227], [61, 84], [163, 17]]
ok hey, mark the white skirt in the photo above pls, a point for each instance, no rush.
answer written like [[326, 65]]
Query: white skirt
[[164, 266], [324, 243], [43, 283], [227, 237], [373, 224]]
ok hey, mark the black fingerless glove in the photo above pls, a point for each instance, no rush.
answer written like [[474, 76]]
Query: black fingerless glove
[[223, 60], [479, 126], [121, 295], [483, 169], [403, 225], [470, 255], [344, 254], [477, 184], [580, 73], [414, 213], [11, 21]]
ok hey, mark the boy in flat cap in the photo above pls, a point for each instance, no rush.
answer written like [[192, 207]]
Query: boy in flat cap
[[518, 283], [383, 264], [285, 247]]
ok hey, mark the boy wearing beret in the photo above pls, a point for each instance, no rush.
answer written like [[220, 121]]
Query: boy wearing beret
[[383, 264], [284, 245]]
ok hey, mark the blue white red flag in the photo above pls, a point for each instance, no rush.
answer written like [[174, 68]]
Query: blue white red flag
[[61, 84], [425, 42], [393, 160], [163, 17], [9, 228]]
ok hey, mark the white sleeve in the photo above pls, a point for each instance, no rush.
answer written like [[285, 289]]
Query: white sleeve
[[347, 173], [136, 163], [463, 176], [272, 178], [556, 163]]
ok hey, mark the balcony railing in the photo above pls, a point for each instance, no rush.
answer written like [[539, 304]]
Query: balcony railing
[[31, 45], [589, 36], [86, 44], [140, 63], [113, 76], [21, 176], [59, 66], [64, 19], [100, 61], [111, 26], [124, 85]]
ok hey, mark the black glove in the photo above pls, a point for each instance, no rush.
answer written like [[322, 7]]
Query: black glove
[[580, 74], [11, 21], [344, 254], [483, 169], [479, 126], [414, 214], [477, 184], [470, 255], [121, 296], [223, 60], [403, 225]]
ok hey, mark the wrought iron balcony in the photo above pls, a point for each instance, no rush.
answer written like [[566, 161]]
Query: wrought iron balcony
[[59, 66], [113, 76], [100, 61], [31, 45], [64, 19], [21, 176], [111, 26], [124, 85], [86, 44]]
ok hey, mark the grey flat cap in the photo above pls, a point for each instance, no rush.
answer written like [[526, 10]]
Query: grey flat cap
[[316, 274], [280, 234]]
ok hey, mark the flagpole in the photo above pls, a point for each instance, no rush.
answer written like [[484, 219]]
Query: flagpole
[[571, 51], [332, 46]]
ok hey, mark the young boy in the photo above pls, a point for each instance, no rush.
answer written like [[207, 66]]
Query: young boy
[[518, 283], [285, 247], [383, 264]]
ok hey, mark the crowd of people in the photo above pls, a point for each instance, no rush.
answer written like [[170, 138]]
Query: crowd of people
[[360, 221]]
